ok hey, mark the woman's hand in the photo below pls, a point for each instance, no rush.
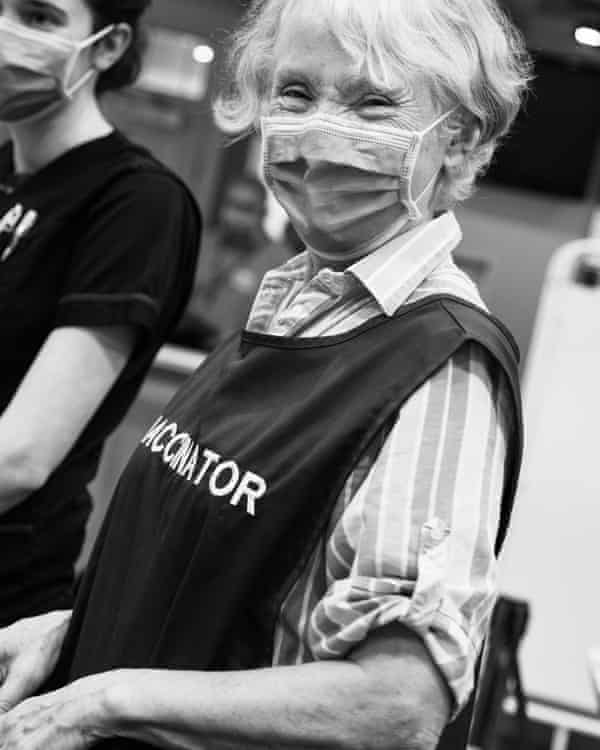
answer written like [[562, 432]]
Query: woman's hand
[[72, 718], [29, 650]]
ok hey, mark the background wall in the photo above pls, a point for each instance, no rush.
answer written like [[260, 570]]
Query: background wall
[[515, 233], [550, 558], [181, 133]]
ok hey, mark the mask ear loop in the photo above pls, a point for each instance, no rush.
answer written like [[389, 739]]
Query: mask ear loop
[[79, 47], [414, 211], [265, 129]]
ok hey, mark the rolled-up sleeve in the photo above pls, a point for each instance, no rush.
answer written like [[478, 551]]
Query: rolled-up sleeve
[[415, 543]]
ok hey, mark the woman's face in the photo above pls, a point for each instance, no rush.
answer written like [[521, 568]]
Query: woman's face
[[313, 73], [69, 19]]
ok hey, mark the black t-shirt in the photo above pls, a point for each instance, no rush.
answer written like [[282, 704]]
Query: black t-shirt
[[105, 235]]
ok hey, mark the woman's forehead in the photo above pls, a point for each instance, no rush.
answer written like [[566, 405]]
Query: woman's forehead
[[310, 46], [340, 18], [308, 43]]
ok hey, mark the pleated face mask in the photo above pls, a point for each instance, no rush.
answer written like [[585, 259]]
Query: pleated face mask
[[346, 186], [36, 68]]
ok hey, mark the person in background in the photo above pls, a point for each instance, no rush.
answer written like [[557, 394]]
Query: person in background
[[234, 259], [302, 549], [98, 243]]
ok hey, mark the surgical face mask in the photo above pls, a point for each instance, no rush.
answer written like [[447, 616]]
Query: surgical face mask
[[36, 68], [346, 186]]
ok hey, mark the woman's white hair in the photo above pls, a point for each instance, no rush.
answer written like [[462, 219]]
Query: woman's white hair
[[468, 50]]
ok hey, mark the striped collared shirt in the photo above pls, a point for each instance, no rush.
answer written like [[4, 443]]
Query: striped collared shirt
[[411, 538]]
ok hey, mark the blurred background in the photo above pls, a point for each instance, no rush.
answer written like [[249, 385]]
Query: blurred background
[[542, 192]]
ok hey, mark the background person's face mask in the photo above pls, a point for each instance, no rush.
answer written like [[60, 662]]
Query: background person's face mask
[[35, 70], [346, 186]]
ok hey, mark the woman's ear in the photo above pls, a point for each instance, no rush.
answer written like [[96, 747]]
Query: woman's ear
[[112, 48], [460, 145]]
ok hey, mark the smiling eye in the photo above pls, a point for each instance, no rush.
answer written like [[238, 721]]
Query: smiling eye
[[294, 97], [375, 100], [294, 92]]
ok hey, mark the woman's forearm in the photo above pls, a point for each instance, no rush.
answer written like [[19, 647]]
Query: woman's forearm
[[387, 694], [397, 702], [70, 376], [19, 475], [307, 706]]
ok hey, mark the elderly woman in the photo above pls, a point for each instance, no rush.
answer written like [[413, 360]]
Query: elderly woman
[[301, 552]]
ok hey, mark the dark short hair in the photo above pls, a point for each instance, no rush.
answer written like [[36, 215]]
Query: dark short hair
[[125, 71]]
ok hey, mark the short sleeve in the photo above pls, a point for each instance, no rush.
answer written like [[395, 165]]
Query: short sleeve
[[133, 262]]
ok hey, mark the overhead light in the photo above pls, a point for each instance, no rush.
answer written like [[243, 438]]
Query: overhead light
[[203, 54], [587, 36]]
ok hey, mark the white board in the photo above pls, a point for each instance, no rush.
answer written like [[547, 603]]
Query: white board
[[552, 554]]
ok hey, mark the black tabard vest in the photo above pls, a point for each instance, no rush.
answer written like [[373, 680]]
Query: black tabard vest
[[227, 494]]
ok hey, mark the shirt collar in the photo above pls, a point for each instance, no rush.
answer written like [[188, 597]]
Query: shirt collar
[[393, 272]]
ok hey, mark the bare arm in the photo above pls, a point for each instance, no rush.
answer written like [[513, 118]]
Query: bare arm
[[71, 375], [387, 695]]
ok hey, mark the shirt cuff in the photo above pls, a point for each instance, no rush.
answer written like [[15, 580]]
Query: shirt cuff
[[355, 606]]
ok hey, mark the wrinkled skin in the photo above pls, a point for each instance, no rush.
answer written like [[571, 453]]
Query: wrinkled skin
[[66, 719]]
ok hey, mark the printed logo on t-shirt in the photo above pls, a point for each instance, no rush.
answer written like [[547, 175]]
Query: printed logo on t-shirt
[[203, 466], [14, 225]]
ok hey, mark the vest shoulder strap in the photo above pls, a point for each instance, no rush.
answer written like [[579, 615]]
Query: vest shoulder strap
[[491, 333]]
